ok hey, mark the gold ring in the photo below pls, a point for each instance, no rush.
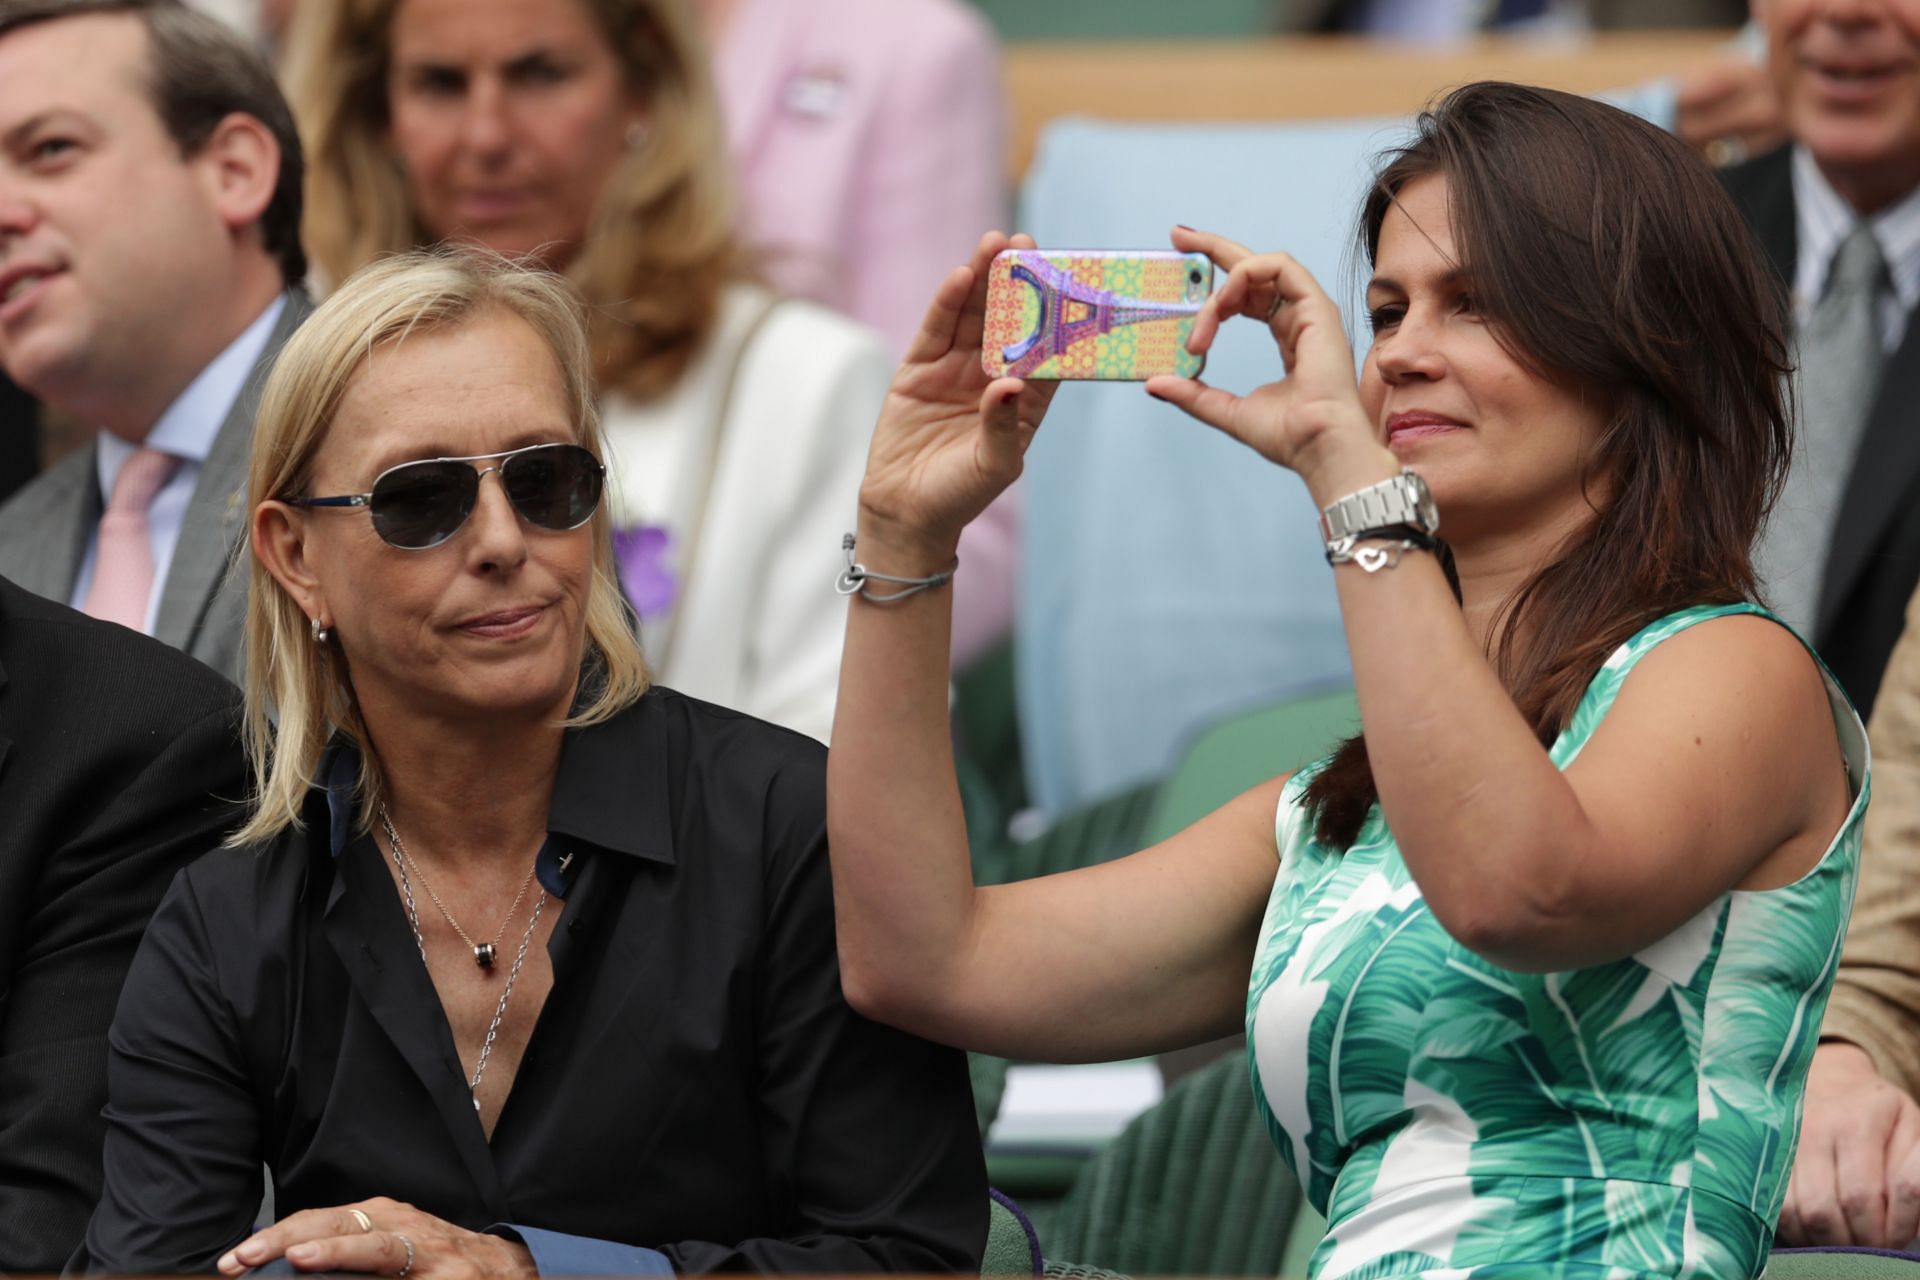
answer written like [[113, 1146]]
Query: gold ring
[[362, 1220], [1273, 309]]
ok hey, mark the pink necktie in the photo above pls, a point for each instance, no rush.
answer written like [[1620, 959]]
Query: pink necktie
[[123, 565]]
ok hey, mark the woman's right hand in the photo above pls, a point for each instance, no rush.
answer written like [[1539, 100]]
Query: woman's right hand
[[949, 438]]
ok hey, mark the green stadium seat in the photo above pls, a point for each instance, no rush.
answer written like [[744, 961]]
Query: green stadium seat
[[1243, 751], [1192, 1187]]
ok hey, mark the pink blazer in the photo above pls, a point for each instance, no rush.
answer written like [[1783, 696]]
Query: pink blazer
[[869, 146], [868, 138]]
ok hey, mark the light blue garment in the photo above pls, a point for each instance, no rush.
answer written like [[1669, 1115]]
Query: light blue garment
[[1170, 576], [186, 430]]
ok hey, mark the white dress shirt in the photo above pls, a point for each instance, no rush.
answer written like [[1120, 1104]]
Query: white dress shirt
[[187, 431], [1822, 220]]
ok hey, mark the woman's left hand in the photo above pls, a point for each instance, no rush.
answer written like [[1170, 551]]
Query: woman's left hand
[[373, 1237], [1310, 421]]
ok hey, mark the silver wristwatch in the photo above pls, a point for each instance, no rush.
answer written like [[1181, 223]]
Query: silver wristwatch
[[1403, 500]]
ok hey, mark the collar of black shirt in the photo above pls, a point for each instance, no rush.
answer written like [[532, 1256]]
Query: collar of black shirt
[[611, 794]]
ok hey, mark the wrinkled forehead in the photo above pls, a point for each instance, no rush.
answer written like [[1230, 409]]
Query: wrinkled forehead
[[484, 384]]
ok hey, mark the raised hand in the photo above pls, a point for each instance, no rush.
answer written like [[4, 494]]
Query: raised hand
[[381, 1237], [949, 438], [1313, 413]]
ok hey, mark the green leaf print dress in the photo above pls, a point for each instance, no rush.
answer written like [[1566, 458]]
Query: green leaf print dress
[[1452, 1118]]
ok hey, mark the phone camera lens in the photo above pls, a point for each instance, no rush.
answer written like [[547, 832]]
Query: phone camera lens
[[1193, 275]]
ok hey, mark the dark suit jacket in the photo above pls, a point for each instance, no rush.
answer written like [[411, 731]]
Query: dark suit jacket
[[44, 529], [1874, 563], [19, 437], [118, 765]]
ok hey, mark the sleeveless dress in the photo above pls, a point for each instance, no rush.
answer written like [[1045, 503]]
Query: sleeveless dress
[[1452, 1118]]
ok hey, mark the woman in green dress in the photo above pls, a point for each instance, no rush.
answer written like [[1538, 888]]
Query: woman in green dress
[[1537, 963]]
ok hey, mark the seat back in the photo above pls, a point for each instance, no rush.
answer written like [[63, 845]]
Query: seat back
[[1171, 576], [1193, 1186], [1012, 1247], [1245, 750], [1838, 1263]]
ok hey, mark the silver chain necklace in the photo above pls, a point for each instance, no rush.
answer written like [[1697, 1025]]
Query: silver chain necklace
[[484, 953], [400, 860]]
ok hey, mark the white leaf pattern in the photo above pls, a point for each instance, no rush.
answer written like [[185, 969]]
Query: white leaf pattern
[[1452, 1118]]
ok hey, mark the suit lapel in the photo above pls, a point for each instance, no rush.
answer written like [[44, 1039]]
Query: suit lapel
[[1883, 473], [6, 743], [1764, 191], [70, 507], [216, 514]]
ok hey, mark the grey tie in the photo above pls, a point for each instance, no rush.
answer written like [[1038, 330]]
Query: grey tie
[[1840, 363]]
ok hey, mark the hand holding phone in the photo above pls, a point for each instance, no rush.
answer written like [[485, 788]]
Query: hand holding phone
[[1113, 315]]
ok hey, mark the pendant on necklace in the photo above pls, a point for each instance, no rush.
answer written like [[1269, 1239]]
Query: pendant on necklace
[[483, 954]]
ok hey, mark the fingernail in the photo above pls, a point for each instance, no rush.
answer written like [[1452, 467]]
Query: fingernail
[[1183, 226], [304, 1252], [227, 1262]]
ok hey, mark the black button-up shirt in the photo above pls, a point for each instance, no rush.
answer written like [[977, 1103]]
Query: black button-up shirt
[[695, 1083]]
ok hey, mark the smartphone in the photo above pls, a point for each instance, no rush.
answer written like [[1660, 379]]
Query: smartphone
[[1116, 315]]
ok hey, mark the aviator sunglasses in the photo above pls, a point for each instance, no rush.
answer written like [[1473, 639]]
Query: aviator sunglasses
[[421, 504]]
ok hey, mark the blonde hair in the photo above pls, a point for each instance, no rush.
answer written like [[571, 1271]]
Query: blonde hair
[[661, 248], [298, 693]]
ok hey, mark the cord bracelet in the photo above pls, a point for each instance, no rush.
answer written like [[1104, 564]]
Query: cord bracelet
[[1377, 549], [854, 578]]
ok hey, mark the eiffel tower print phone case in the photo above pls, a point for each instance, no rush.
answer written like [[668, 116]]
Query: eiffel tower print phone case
[[1113, 315]]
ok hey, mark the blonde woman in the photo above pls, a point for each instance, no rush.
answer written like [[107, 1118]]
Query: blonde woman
[[584, 133], [518, 965]]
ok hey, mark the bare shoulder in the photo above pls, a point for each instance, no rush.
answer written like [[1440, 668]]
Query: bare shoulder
[[1737, 708], [1744, 664], [1744, 681]]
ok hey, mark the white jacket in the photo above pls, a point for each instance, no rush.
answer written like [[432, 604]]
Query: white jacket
[[756, 625]]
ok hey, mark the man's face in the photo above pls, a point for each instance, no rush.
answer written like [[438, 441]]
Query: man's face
[[109, 241], [1848, 73]]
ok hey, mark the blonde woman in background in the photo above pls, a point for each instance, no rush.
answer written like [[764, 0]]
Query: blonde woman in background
[[519, 965], [584, 134]]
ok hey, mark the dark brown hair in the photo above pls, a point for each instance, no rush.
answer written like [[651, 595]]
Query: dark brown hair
[[202, 72], [1608, 259]]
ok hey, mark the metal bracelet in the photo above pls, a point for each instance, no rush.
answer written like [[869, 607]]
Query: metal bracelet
[[854, 578], [1377, 549]]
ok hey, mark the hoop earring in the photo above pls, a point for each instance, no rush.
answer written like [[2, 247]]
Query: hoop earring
[[320, 634]]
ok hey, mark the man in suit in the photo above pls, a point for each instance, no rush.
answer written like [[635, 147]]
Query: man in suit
[[118, 765], [1842, 553], [149, 204], [1838, 210], [150, 182]]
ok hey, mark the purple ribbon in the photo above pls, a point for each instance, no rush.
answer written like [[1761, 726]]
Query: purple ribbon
[[650, 583]]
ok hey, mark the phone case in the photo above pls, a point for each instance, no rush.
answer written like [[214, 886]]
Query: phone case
[[1119, 315]]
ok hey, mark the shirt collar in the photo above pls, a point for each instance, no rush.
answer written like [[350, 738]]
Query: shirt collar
[[191, 423], [1822, 220], [611, 792]]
